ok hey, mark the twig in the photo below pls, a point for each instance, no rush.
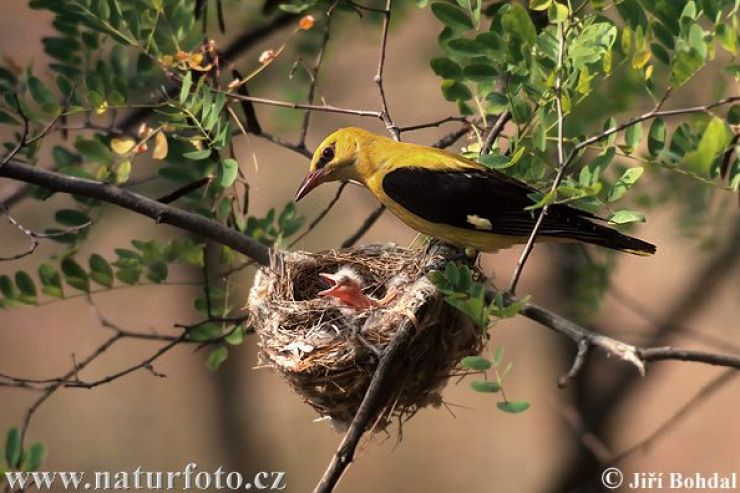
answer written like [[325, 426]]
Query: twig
[[321, 215], [184, 190], [378, 391], [241, 44], [385, 114], [561, 162], [435, 123], [300, 106], [24, 134], [33, 237], [161, 213], [145, 364], [451, 138], [700, 397], [364, 227], [495, 131], [314, 73]]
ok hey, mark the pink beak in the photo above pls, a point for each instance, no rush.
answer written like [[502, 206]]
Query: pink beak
[[312, 180]]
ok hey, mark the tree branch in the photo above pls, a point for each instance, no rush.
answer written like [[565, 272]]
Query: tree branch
[[161, 213]]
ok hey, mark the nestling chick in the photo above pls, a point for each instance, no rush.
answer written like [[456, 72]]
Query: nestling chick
[[346, 286]]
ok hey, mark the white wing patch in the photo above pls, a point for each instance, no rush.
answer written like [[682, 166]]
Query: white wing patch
[[479, 222]]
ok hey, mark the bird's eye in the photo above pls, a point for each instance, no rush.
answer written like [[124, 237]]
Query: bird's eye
[[326, 156]]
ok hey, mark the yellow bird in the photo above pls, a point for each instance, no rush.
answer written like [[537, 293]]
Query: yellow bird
[[452, 198]]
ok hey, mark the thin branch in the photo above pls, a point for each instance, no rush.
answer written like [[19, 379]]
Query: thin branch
[[241, 44], [451, 138], [321, 215], [184, 190], [161, 213], [561, 161], [364, 227], [385, 114], [145, 364], [314, 73], [380, 389], [435, 123], [495, 131], [700, 397], [300, 106], [302, 150], [33, 237], [564, 163], [22, 142]]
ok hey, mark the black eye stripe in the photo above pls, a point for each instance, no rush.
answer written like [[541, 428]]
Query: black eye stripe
[[326, 156]]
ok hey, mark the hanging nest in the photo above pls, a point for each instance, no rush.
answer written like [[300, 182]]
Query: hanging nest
[[328, 352]]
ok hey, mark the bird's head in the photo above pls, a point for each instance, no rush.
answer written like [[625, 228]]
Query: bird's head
[[335, 159]]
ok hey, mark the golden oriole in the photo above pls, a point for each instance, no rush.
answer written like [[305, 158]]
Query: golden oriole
[[450, 197]]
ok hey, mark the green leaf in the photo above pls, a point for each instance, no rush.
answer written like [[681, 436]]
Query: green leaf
[[624, 183], [197, 155], [452, 16], [557, 13], [100, 271], [7, 119], [129, 275], [51, 281], [453, 90], [589, 175], [205, 332], [539, 137], [157, 272], [656, 137], [446, 68], [227, 172], [485, 386], [94, 151], [464, 46], [539, 4], [479, 72], [521, 112], [477, 363], [217, 357], [43, 96], [513, 407], [733, 115], [632, 136], [496, 102], [27, 288], [626, 216], [714, 141], [236, 336], [609, 124], [7, 287], [36, 456], [72, 217], [545, 199], [518, 24], [123, 172], [13, 450], [75, 275], [187, 83]]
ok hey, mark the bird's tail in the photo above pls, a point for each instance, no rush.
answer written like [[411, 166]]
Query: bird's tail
[[597, 234]]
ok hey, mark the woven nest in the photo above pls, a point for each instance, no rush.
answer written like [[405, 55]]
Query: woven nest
[[328, 353]]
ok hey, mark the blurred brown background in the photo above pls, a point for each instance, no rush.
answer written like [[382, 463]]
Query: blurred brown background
[[248, 420]]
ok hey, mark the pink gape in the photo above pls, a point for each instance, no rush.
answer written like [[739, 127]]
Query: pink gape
[[346, 286]]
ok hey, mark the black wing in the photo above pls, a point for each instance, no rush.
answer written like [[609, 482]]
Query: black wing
[[462, 198], [451, 197]]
